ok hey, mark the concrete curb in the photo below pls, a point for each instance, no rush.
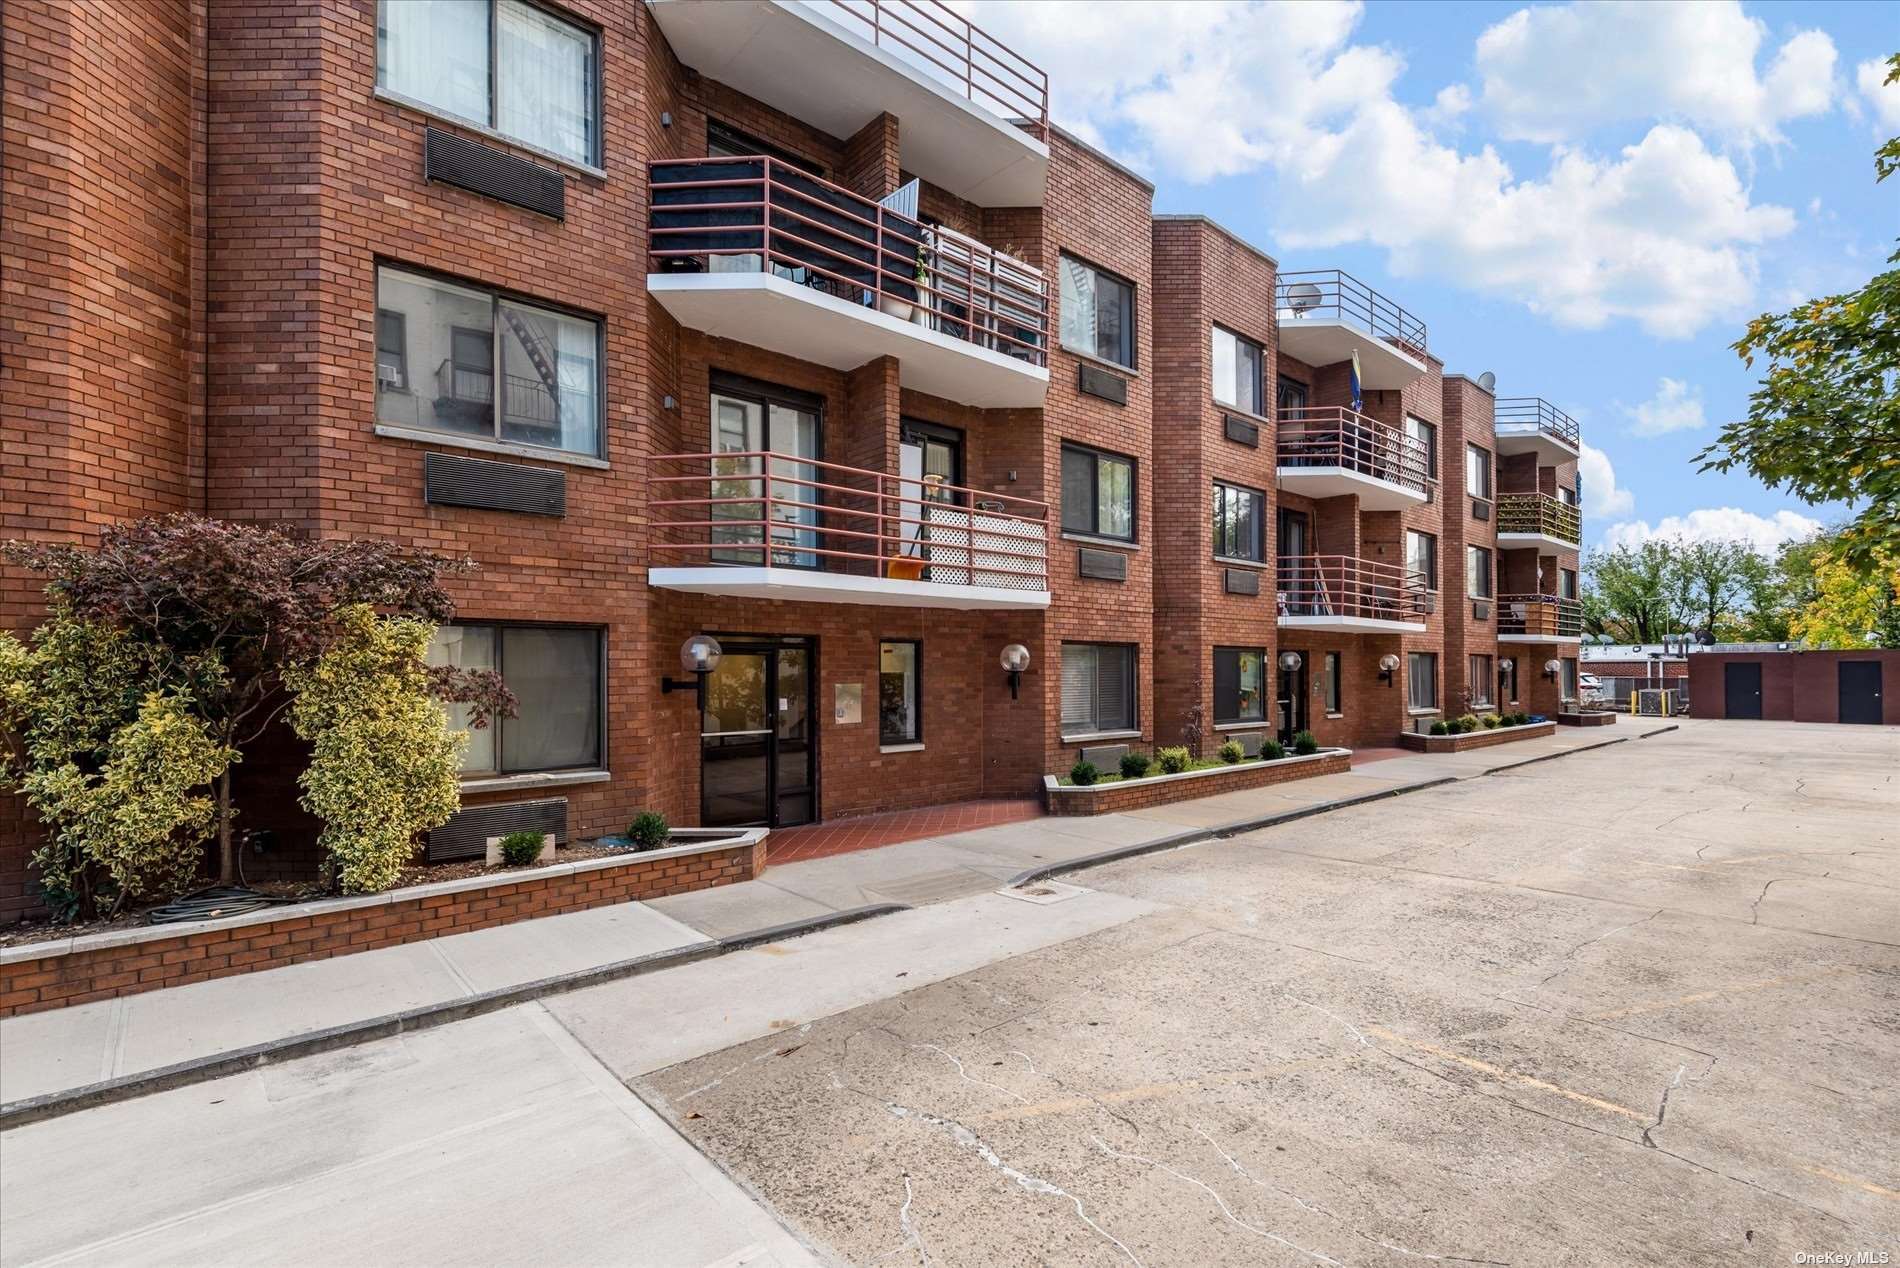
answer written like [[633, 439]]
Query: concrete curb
[[1551, 757], [35, 1109], [1661, 730]]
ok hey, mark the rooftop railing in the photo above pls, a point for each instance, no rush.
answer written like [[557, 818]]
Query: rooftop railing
[[764, 509], [747, 215], [1345, 586], [937, 40], [1539, 513], [1334, 436], [1333, 295], [1539, 614], [1524, 414]]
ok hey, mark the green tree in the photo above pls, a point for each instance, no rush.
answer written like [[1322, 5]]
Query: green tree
[[1849, 608], [1636, 594], [1825, 420], [1717, 578]]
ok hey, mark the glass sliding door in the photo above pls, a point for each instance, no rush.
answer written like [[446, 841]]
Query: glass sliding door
[[929, 460], [748, 508], [794, 433]]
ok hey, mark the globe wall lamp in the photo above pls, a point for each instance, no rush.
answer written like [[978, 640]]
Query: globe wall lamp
[[1289, 661], [1015, 659], [699, 656], [1388, 665], [1552, 668]]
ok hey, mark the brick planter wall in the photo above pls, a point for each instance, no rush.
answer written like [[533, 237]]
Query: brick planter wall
[[1476, 739], [39, 976], [1160, 790], [1594, 718]]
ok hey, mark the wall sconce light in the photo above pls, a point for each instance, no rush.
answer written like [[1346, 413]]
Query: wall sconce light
[[699, 656], [1289, 661], [1388, 665], [1552, 668], [1015, 659]]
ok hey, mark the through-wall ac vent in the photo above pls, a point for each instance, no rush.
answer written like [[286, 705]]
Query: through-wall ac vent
[[465, 835], [452, 480], [483, 170]]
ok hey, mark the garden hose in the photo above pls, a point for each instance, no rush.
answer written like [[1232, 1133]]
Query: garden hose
[[212, 903]]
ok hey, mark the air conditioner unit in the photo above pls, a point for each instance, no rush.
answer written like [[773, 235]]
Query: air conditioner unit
[[390, 376]]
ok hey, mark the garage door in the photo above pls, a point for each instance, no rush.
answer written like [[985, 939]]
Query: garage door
[[1741, 690], [1860, 691]]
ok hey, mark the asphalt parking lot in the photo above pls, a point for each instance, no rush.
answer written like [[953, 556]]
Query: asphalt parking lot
[[1640, 1004]]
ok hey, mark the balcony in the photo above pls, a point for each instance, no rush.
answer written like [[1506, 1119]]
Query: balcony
[[1326, 316], [1537, 519], [1330, 451], [1350, 596], [759, 525], [1539, 618], [1530, 424], [972, 111], [756, 250]]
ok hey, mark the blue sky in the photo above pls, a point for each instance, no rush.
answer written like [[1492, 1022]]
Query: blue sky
[[1589, 200]]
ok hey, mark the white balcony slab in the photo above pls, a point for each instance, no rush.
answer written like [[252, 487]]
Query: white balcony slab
[[1551, 451], [811, 586], [1383, 365], [1542, 541], [770, 312], [1351, 624], [1331, 482], [1572, 639], [799, 58]]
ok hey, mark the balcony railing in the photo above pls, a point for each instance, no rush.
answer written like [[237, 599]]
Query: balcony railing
[[1332, 295], [745, 215], [1334, 436], [1344, 586], [1539, 513], [772, 510], [1525, 415], [937, 40], [1539, 615]]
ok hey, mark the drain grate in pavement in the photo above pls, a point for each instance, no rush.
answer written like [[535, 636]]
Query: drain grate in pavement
[[1042, 893]]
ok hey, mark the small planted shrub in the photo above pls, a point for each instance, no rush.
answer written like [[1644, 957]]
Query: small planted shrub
[[1272, 750], [1135, 765], [1491, 721], [518, 849], [1082, 774], [1231, 753], [1304, 743], [1173, 760], [1439, 727], [1468, 723], [648, 831]]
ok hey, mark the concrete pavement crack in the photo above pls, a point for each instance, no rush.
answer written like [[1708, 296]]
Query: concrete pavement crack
[[1755, 907], [1219, 1201], [966, 1076], [1564, 965], [1662, 1108]]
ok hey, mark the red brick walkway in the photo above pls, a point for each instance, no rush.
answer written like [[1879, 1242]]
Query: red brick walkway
[[819, 840]]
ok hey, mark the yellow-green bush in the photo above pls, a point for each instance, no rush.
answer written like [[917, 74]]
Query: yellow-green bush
[[384, 765]]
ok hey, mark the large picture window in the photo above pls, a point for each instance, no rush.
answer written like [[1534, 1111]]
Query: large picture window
[[1098, 493], [507, 65], [1237, 379], [900, 692], [1239, 684], [1098, 313], [1098, 688], [555, 673], [1421, 558], [1478, 572], [473, 363], [1421, 680], [1239, 523]]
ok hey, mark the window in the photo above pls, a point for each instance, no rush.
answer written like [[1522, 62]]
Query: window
[[1292, 395], [899, 694], [1477, 472], [1478, 572], [1237, 380], [1566, 495], [505, 65], [1330, 682], [1239, 523], [1566, 583], [1421, 680], [1098, 493], [1098, 688], [1569, 677], [1478, 680], [549, 393], [1426, 436], [1239, 693], [1098, 313], [725, 141], [555, 674], [1421, 557], [1507, 680]]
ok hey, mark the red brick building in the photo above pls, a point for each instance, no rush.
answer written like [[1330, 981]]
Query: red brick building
[[747, 321], [1797, 686]]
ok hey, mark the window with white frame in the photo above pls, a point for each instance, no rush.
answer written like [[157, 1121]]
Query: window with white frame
[[1098, 688], [1098, 313], [1237, 378], [1098, 493], [514, 67], [1240, 693], [1426, 436], [1239, 523], [1478, 679], [1478, 572], [1477, 472], [1421, 558], [1421, 680], [1566, 583], [899, 692], [555, 674], [1330, 678]]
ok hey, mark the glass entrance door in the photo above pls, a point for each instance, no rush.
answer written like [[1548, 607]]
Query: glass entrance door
[[758, 751], [1300, 583]]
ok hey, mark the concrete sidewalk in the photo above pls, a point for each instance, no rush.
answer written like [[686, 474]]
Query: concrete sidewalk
[[56, 1052]]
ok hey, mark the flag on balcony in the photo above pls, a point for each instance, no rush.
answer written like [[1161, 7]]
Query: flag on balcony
[[1358, 403]]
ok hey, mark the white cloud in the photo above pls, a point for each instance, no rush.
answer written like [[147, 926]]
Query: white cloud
[[1675, 407], [1663, 233], [1601, 498], [1712, 524], [1552, 74], [1882, 97]]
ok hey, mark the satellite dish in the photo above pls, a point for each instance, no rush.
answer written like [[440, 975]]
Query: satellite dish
[[1303, 297], [1636, 647], [1705, 638], [1488, 381]]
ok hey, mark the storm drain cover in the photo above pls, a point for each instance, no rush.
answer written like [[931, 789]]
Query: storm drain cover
[[1042, 893]]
